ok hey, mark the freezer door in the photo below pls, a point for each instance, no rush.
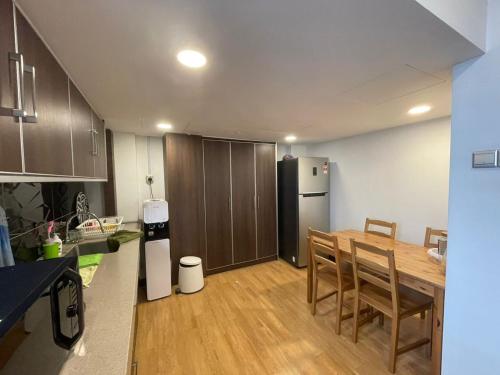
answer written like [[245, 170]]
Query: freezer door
[[314, 175], [314, 212]]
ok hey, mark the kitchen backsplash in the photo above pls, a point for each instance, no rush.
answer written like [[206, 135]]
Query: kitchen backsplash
[[30, 205]]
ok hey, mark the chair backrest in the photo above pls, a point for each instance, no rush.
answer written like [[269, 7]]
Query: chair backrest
[[381, 223], [325, 250], [372, 272], [429, 233]]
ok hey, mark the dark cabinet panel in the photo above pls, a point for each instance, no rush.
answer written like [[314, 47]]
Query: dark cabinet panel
[[212, 185], [216, 156], [81, 127], [184, 185], [47, 143], [243, 201], [109, 185], [265, 159], [10, 136], [100, 147]]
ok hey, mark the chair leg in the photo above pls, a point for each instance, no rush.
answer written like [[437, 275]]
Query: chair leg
[[340, 303], [355, 322], [394, 343], [429, 329], [314, 293]]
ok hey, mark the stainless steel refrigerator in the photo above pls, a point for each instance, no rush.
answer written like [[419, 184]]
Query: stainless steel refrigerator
[[303, 202]]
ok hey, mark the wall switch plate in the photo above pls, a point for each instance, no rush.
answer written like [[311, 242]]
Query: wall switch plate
[[485, 159]]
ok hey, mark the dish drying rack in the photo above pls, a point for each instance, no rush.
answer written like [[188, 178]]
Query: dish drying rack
[[90, 228]]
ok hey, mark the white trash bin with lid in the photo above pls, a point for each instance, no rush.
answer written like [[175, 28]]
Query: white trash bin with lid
[[190, 275]]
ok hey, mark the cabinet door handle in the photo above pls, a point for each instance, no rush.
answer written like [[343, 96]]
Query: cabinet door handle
[[96, 143], [258, 201], [19, 60], [34, 117], [92, 135]]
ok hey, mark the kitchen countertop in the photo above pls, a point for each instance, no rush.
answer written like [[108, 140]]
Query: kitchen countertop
[[109, 318]]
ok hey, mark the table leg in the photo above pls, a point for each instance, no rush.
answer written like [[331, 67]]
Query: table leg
[[437, 330], [309, 274]]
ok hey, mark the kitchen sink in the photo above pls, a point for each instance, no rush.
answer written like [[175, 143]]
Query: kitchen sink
[[94, 247]]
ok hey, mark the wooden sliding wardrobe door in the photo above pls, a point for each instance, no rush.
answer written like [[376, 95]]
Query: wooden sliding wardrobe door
[[184, 189], [265, 159], [217, 170], [243, 198]]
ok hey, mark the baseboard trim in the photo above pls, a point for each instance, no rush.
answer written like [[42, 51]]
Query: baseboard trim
[[241, 265]]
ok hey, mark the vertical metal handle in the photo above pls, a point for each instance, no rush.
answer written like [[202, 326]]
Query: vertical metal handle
[[19, 60], [34, 117], [96, 133], [91, 131], [258, 201]]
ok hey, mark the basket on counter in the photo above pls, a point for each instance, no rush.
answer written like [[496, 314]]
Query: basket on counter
[[91, 229]]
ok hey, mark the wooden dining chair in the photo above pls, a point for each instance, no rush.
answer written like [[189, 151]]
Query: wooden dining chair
[[327, 260], [376, 284], [383, 224], [429, 234]]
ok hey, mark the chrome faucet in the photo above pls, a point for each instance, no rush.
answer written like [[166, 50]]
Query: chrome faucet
[[66, 240]]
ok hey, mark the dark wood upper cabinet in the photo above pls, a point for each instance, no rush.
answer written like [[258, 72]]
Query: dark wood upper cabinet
[[81, 127], [44, 120], [100, 170], [265, 159], [47, 142], [243, 199], [216, 156], [10, 136]]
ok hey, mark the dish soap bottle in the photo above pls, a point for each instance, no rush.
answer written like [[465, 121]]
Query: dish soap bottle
[[53, 237], [56, 239]]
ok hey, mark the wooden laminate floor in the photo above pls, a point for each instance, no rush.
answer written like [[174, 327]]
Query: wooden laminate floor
[[255, 320]]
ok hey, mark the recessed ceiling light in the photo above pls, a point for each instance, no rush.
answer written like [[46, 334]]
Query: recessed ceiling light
[[419, 109], [290, 138], [165, 126], [191, 58]]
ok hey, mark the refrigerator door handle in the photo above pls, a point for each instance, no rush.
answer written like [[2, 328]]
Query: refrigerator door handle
[[314, 194]]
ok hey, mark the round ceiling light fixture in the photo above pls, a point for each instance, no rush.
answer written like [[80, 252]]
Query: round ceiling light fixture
[[192, 59], [165, 126], [290, 138], [419, 109]]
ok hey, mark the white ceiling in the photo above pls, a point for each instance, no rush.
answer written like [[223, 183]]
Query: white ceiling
[[320, 69]]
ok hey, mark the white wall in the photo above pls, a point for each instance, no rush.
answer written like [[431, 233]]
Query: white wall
[[471, 330], [467, 17], [281, 150], [132, 163], [152, 165], [399, 174]]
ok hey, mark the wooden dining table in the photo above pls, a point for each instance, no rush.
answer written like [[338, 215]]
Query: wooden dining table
[[415, 270]]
